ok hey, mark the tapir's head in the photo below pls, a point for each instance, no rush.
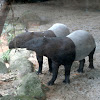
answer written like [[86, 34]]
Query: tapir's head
[[20, 40], [35, 44]]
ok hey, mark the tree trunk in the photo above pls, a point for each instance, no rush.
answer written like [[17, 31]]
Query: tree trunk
[[4, 9]]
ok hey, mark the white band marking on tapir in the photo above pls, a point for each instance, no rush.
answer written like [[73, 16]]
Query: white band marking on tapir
[[60, 30], [84, 43]]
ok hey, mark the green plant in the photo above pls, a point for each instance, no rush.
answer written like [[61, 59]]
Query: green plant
[[10, 37], [5, 56]]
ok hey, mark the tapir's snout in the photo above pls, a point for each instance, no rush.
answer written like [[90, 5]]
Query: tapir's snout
[[14, 44], [11, 45]]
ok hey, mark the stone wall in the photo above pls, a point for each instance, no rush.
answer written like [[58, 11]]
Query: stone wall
[[81, 3]]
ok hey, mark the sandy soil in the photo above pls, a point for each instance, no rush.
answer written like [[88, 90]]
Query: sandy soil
[[84, 86]]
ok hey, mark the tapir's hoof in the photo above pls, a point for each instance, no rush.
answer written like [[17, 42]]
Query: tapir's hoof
[[50, 71], [92, 67], [37, 72], [50, 83], [66, 81], [80, 71]]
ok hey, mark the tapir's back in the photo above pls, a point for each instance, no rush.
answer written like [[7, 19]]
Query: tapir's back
[[84, 43], [60, 30]]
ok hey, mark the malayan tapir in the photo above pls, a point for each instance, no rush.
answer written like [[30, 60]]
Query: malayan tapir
[[57, 30], [63, 51]]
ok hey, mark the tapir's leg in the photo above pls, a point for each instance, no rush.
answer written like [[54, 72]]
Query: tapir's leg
[[67, 73], [91, 59], [81, 66], [50, 65], [40, 61], [55, 68]]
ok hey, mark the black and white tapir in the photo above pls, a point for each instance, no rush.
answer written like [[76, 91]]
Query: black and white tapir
[[63, 51], [57, 30]]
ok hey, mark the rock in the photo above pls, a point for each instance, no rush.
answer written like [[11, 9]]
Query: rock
[[21, 67], [1, 60], [3, 68], [30, 18], [9, 97], [19, 53], [31, 86], [75, 65]]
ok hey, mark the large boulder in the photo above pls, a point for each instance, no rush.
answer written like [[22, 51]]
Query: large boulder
[[31, 86], [3, 68], [21, 67], [19, 53]]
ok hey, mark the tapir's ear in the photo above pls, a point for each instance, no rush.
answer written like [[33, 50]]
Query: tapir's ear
[[32, 33], [26, 30], [45, 39]]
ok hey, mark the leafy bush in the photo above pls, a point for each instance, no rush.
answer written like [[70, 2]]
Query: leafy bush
[[5, 56], [10, 37]]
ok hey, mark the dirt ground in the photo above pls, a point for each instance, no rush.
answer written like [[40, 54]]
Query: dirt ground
[[84, 86]]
